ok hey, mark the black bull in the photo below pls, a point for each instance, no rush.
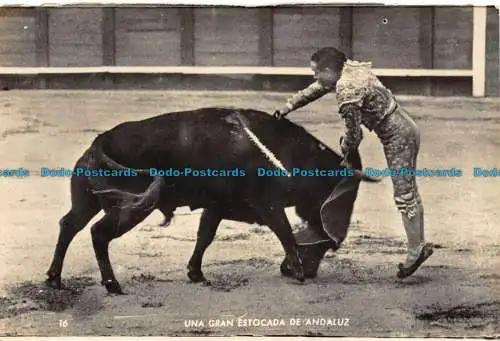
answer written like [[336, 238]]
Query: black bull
[[208, 138]]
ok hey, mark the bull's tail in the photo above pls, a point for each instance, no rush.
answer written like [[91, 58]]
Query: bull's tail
[[102, 157], [146, 200]]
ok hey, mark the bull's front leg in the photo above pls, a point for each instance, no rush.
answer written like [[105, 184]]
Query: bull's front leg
[[209, 222], [311, 259], [313, 244], [277, 221]]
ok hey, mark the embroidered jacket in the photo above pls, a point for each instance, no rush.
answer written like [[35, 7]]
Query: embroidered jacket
[[361, 97]]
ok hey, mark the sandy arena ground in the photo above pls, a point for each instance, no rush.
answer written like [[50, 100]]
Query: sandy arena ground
[[456, 292]]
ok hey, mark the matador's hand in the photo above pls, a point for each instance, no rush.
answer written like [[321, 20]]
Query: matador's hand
[[345, 154], [280, 113]]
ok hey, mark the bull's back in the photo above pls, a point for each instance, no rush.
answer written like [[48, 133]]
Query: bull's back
[[210, 138], [205, 138]]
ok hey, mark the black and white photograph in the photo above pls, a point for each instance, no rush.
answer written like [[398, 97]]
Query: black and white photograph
[[313, 170]]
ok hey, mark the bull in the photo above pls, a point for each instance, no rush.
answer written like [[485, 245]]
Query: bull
[[208, 139]]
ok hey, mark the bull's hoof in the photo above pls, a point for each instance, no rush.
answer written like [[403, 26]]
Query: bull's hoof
[[312, 256], [310, 271], [301, 279], [299, 275], [113, 287], [197, 277], [54, 282], [285, 269]]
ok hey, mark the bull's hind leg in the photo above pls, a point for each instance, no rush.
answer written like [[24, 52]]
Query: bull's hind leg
[[84, 206], [277, 221], [209, 222], [113, 225]]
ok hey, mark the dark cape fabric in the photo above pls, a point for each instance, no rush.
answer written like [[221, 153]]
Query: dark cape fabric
[[335, 214]]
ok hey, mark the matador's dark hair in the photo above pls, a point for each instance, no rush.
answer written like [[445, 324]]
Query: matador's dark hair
[[329, 57]]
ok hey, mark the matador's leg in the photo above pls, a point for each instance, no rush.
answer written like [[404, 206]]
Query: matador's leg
[[401, 154]]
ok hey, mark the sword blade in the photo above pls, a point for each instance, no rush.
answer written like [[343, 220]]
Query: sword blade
[[269, 154]]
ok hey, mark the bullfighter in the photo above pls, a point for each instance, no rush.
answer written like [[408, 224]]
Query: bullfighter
[[364, 100]]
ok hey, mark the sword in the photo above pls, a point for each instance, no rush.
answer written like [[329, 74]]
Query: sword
[[276, 162], [268, 154]]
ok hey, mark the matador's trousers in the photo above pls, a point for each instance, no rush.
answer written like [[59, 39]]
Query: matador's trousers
[[400, 137]]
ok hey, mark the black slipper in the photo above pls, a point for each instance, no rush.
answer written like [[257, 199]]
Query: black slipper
[[426, 252]]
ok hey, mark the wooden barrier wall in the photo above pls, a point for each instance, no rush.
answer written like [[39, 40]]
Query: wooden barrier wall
[[391, 37], [74, 36], [147, 37], [492, 54], [17, 37], [298, 32]]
